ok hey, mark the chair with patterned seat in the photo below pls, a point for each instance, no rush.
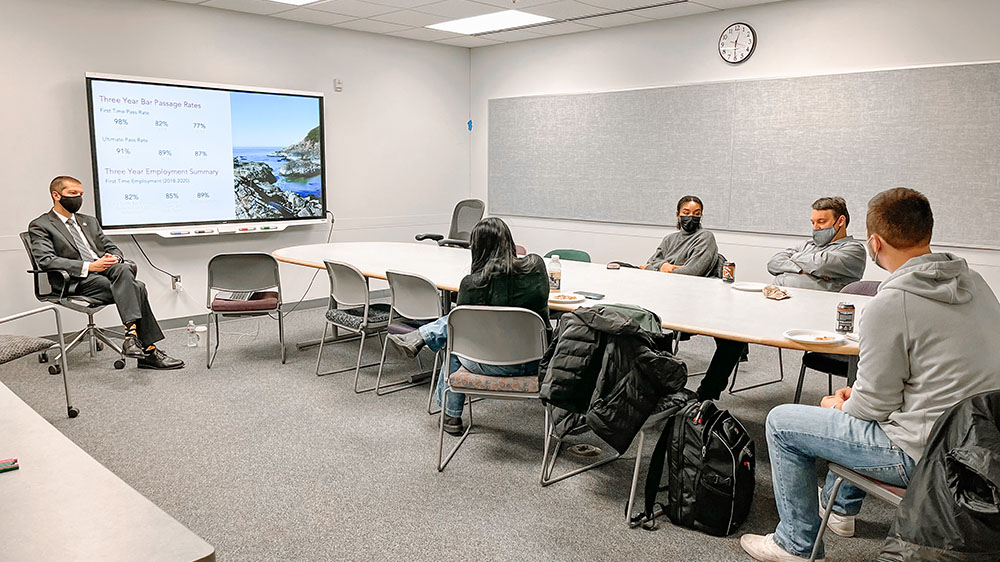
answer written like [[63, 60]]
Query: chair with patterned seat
[[829, 363], [15, 347], [491, 335], [415, 301], [351, 310], [255, 273]]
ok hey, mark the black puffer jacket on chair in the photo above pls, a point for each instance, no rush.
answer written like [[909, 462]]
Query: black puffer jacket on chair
[[951, 510], [603, 365]]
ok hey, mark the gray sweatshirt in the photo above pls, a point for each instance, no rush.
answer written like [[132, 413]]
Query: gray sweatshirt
[[843, 261], [929, 339], [696, 252]]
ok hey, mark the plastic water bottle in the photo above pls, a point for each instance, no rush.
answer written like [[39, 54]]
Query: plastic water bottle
[[555, 274], [192, 336]]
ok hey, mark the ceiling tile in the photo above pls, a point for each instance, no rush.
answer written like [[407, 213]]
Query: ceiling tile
[[456, 9], [424, 34], [515, 4], [516, 35], [727, 4], [188, 1], [398, 4], [262, 7], [470, 42], [411, 18], [674, 11], [619, 4], [354, 8], [614, 20], [565, 9], [372, 26], [561, 28], [314, 16]]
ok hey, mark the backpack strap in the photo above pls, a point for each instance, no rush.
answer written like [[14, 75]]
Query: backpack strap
[[656, 462]]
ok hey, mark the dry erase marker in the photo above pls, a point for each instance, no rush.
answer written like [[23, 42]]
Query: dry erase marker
[[5, 462], [9, 467]]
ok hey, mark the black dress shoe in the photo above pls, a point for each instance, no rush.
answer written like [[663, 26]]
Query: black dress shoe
[[453, 425], [132, 348], [158, 360], [410, 343]]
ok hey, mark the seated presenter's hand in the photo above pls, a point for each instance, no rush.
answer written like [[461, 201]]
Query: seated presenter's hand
[[668, 268], [843, 393], [832, 402], [103, 263]]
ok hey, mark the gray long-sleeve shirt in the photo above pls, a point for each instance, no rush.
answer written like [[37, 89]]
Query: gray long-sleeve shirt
[[843, 261], [696, 253]]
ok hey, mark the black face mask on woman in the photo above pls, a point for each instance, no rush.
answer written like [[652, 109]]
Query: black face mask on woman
[[689, 223], [71, 203]]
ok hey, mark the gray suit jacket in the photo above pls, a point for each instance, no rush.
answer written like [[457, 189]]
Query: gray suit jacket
[[53, 248]]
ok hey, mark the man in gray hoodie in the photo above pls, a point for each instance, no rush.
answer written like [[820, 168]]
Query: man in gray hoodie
[[829, 260], [928, 340]]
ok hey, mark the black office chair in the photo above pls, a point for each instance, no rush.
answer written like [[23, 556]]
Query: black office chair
[[467, 214], [96, 337], [829, 363]]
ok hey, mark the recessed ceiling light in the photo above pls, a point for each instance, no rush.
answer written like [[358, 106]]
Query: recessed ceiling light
[[294, 2], [490, 22]]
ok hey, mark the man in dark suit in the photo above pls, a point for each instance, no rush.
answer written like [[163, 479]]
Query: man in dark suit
[[63, 239]]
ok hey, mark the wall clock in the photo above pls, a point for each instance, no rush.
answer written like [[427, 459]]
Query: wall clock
[[737, 43]]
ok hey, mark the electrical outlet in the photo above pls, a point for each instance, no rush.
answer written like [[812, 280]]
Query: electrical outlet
[[175, 283]]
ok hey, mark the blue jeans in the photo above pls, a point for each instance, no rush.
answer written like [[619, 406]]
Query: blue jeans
[[796, 436], [435, 336]]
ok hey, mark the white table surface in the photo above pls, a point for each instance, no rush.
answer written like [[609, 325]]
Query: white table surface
[[64, 506], [690, 304]]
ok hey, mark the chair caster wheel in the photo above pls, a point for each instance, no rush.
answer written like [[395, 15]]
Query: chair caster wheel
[[72, 412], [100, 346], [119, 364], [54, 369], [43, 357]]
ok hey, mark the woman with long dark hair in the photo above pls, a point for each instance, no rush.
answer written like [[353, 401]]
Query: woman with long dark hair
[[498, 278]]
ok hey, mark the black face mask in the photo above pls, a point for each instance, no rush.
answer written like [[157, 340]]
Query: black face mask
[[689, 223], [71, 204]]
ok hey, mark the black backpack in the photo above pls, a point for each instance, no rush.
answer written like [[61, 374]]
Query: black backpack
[[711, 461]]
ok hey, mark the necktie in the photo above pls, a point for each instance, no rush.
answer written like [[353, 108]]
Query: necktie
[[81, 244]]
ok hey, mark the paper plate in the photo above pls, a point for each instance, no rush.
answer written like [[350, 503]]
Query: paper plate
[[815, 337], [565, 298], [748, 286]]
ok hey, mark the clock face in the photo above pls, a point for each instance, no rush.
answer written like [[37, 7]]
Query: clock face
[[737, 43]]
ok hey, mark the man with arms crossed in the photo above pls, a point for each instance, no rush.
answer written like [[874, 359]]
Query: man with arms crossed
[[928, 340], [63, 239], [828, 261]]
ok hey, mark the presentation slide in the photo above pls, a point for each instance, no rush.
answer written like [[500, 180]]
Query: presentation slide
[[171, 155]]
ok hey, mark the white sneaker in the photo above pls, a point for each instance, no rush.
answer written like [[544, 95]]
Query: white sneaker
[[841, 525], [763, 548]]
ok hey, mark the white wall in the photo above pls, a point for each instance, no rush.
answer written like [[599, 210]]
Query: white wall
[[795, 38], [397, 144]]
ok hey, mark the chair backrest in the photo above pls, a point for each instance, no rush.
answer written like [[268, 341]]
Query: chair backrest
[[42, 286], [413, 296], [496, 335], [243, 271], [867, 288], [569, 254], [348, 286], [466, 215]]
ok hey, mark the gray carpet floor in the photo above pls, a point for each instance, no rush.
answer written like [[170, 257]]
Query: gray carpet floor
[[269, 462]]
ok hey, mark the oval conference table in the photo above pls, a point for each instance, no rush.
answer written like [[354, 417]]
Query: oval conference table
[[695, 305]]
